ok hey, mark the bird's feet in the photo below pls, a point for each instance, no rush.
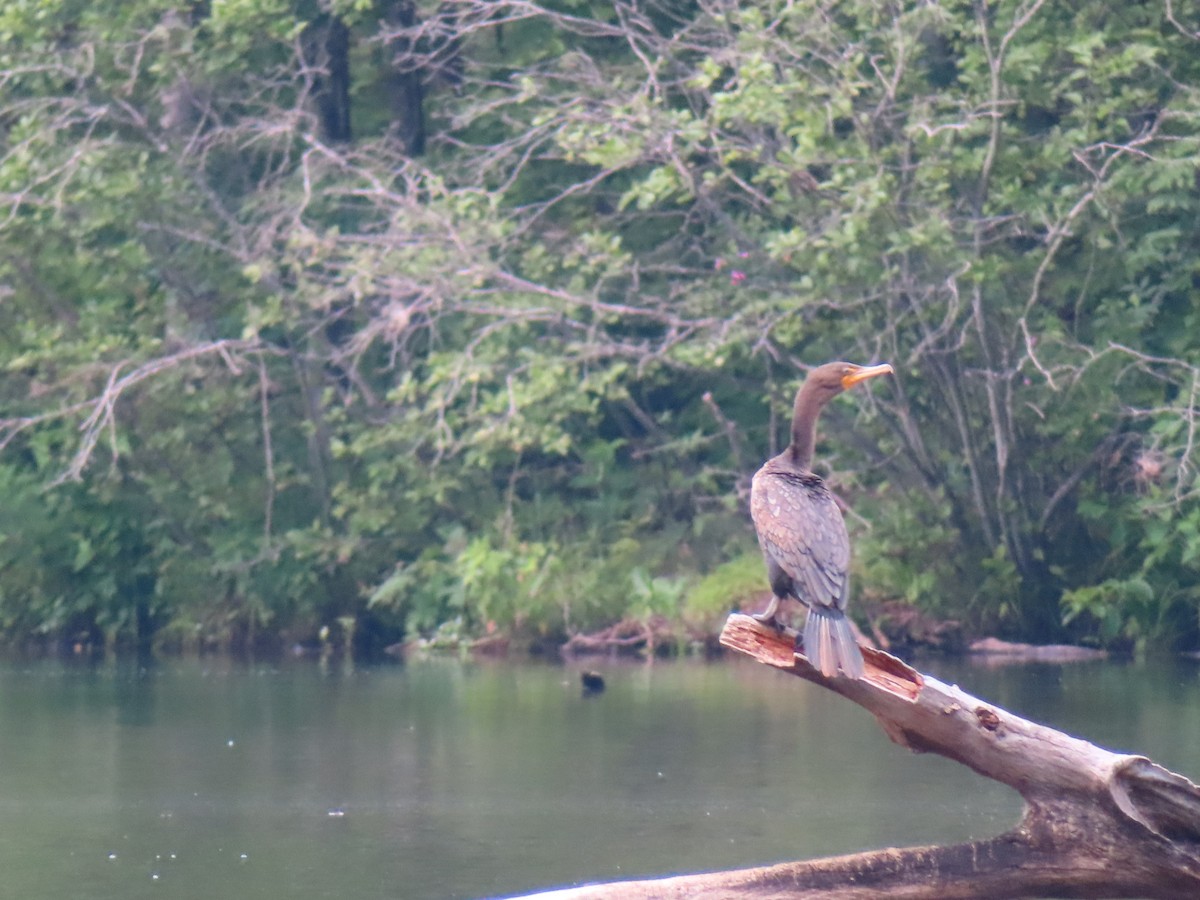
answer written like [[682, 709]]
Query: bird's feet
[[769, 618]]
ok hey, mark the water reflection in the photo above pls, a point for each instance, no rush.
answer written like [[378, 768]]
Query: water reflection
[[442, 779]]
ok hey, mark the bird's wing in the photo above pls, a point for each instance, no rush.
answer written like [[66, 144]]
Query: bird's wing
[[800, 526]]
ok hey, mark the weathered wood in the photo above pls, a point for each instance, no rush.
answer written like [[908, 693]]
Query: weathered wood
[[1096, 824]]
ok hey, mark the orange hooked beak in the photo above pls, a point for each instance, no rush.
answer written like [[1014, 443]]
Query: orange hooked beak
[[862, 373]]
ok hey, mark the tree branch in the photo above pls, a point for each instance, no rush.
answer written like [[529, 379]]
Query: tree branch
[[1096, 823]]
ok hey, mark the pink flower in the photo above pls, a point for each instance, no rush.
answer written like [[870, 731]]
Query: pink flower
[[736, 277]]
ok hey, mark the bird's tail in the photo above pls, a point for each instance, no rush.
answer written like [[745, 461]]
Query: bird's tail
[[829, 643]]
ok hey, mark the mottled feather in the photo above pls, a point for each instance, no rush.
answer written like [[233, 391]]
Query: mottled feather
[[801, 529]]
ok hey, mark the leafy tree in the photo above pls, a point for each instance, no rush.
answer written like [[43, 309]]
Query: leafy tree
[[484, 312]]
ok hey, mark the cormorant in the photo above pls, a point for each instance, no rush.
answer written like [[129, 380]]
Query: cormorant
[[801, 532]]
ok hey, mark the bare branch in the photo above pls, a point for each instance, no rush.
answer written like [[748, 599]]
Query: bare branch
[[103, 407]]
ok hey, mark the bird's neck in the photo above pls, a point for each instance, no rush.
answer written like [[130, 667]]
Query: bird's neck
[[804, 429]]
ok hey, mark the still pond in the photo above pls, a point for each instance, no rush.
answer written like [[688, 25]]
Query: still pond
[[443, 779]]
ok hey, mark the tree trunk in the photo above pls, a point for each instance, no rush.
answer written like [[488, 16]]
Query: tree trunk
[[407, 80], [1096, 824], [327, 49]]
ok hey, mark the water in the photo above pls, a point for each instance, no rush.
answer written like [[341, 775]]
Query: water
[[439, 779]]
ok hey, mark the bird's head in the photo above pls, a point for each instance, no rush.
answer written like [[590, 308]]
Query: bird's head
[[831, 379]]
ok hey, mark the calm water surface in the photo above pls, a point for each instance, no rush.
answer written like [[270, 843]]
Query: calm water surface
[[440, 779]]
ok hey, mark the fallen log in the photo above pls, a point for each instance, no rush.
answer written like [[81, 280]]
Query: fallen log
[[626, 636], [995, 650], [1095, 824]]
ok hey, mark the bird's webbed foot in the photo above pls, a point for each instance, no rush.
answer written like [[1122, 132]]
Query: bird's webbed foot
[[769, 616]]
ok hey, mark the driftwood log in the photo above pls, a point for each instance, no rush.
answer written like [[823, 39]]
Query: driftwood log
[[1095, 824]]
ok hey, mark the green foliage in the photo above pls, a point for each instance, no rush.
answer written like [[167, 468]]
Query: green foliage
[[259, 380], [901, 557], [1158, 602], [1122, 609], [727, 587], [658, 596]]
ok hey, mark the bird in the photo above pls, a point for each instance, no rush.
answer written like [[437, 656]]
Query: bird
[[801, 532], [593, 683]]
